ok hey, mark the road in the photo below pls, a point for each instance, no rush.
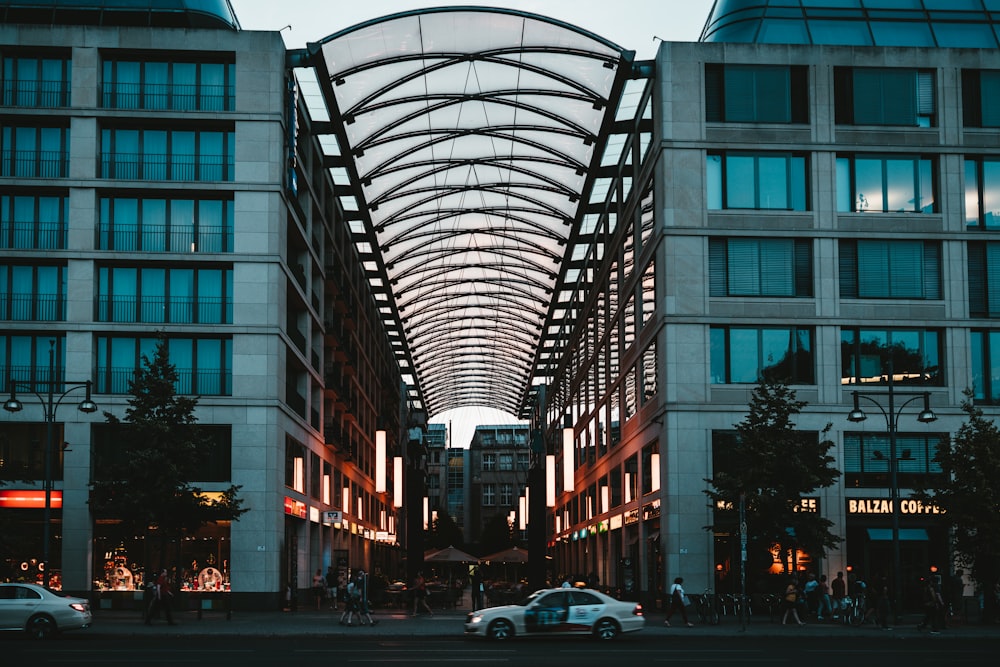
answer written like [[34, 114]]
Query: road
[[81, 650]]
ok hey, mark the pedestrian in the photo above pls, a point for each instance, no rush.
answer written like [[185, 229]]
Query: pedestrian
[[838, 588], [823, 599], [162, 598], [811, 592], [791, 600], [352, 605], [364, 611], [318, 588], [956, 593], [882, 604], [678, 602], [477, 589], [420, 594], [931, 602], [331, 587]]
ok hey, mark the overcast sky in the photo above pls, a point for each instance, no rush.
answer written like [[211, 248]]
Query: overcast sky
[[632, 24]]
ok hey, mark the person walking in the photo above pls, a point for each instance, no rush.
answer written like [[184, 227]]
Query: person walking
[[477, 590], [364, 611], [790, 602], [420, 594], [318, 588], [838, 587], [677, 602], [823, 599], [352, 605], [162, 597], [932, 604], [331, 587]]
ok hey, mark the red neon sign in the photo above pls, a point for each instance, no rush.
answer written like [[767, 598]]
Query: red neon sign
[[29, 499]]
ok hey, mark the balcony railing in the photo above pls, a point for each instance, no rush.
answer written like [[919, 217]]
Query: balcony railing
[[168, 97], [33, 93], [187, 310], [162, 167], [164, 238], [33, 164], [32, 235], [32, 306]]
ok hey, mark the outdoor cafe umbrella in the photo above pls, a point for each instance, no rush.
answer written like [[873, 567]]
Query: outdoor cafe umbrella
[[512, 555], [449, 555]]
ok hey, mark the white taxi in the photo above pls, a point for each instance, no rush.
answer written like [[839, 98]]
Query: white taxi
[[552, 611]]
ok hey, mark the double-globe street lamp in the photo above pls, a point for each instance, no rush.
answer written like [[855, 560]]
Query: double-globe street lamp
[[49, 405], [892, 414]]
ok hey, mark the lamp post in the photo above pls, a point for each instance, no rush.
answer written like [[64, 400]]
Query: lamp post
[[892, 414], [49, 405]]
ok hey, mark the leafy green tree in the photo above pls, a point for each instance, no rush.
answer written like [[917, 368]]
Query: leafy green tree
[[774, 465], [157, 448], [968, 490]]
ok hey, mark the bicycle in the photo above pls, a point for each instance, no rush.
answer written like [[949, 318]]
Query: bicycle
[[706, 607], [854, 611]]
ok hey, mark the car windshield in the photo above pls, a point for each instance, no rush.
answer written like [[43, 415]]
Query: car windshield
[[528, 600]]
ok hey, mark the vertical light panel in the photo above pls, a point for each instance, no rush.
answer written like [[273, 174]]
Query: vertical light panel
[[628, 487], [380, 462], [605, 500], [550, 480], [568, 464], [654, 465], [522, 521], [299, 474], [427, 513], [359, 509], [345, 499], [397, 482], [326, 489]]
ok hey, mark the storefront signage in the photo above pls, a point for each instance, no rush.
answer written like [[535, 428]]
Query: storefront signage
[[807, 505], [631, 516], [884, 506], [333, 516], [295, 507], [651, 510], [615, 522], [29, 499]]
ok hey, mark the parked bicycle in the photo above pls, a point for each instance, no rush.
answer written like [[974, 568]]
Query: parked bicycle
[[708, 611], [853, 612]]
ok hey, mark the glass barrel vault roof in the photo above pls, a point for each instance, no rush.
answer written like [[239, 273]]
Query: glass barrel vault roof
[[469, 134]]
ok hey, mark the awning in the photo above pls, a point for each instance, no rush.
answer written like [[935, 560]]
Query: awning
[[905, 535]]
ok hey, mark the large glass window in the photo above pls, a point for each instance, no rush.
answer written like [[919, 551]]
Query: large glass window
[[981, 98], [985, 351], [152, 294], [886, 184], [24, 358], [178, 86], [166, 225], [913, 356], [174, 155], [881, 269], [877, 96], [34, 152], [866, 459], [33, 222], [756, 93], [774, 181], [32, 292], [204, 365], [36, 81], [982, 193], [747, 354], [760, 267], [489, 494], [984, 291]]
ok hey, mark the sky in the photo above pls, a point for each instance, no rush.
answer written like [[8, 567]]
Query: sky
[[637, 25]]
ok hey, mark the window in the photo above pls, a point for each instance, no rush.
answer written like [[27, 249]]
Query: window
[[32, 292], [913, 355], [985, 366], [760, 267], [24, 358], [204, 365], [295, 465], [756, 94], [167, 154], [885, 184], [984, 279], [214, 452], [34, 152], [489, 461], [982, 193], [178, 86], [166, 225], [866, 459], [876, 96], [489, 494], [981, 98], [762, 181], [506, 462], [881, 269], [506, 494], [747, 354], [149, 294], [32, 81], [33, 222], [522, 460]]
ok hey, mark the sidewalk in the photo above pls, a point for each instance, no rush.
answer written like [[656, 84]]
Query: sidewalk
[[449, 623]]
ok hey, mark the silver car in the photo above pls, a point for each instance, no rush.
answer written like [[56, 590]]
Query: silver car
[[41, 612], [551, 611]]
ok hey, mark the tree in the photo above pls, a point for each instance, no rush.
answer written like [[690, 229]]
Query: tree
[[157, 448], [774, 465], [968, 491], [496, 535], [444, 532]]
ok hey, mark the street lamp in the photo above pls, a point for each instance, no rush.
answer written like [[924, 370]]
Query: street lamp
[[49, 406], [892, 415]]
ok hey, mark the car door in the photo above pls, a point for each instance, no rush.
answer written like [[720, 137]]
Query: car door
[[548, 613], [584, 610], [16, 605]]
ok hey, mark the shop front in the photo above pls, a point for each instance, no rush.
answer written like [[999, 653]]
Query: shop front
[[922, 537]]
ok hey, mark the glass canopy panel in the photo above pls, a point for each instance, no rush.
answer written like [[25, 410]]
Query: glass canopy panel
[[472, 131]]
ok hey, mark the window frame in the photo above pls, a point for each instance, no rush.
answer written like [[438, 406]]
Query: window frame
[[722, 79], [802, 358]]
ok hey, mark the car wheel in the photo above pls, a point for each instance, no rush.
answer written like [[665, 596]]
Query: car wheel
[[500, 630], [41, 627], [606, 629]]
